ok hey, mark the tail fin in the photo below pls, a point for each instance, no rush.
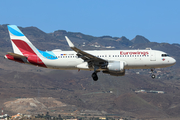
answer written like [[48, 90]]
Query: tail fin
[[21, 45]]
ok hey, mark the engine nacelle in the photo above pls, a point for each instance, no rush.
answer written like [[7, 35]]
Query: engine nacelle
[[115, 68]]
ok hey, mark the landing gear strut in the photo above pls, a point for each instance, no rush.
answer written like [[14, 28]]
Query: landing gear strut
[[153, 76], [94, 76]]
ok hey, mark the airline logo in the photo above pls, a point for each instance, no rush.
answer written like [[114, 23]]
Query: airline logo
[[134, 53], [163, 59], [24, 46]]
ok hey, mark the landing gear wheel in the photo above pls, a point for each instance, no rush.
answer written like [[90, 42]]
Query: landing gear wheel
[[94, 76], [153, 76]]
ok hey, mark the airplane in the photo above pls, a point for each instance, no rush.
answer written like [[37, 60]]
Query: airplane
[[113, 62]]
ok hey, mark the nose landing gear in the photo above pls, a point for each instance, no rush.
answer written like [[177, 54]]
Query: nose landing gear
[[153, 76]]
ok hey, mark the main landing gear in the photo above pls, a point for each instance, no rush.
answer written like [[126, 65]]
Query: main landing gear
[[153, 76], [94, 76]]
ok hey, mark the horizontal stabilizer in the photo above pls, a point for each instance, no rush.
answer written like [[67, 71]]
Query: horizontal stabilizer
[[16, 55]]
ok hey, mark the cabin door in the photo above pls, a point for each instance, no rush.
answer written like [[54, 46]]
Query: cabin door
[[153, 56]]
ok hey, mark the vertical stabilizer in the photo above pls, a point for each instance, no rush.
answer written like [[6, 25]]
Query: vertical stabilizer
[[21, 45]]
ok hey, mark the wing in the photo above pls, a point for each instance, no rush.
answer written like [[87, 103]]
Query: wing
[[87, 57]]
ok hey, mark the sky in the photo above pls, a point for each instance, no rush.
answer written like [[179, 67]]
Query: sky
[[156, 20]]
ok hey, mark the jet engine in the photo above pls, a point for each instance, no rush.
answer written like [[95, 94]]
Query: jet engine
[[115, 68]]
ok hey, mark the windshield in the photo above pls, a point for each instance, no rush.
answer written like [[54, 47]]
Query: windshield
[[164, 55]]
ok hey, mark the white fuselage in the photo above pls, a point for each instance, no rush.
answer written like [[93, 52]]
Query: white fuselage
[[134, 59], [113, 62]]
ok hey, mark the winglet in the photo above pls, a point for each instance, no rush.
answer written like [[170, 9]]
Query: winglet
[[69, 42]]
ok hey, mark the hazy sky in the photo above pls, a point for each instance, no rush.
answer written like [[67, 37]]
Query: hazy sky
[[157, 20]]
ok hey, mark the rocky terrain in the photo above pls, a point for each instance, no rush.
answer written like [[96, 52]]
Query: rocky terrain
[[33, 90]]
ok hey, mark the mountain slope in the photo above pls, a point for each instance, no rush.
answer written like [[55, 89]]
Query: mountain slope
[[110, 94]]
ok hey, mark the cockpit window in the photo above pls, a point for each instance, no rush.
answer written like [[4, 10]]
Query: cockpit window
[[164, 55]]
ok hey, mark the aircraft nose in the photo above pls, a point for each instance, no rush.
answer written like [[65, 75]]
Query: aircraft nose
[[173, 61]]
